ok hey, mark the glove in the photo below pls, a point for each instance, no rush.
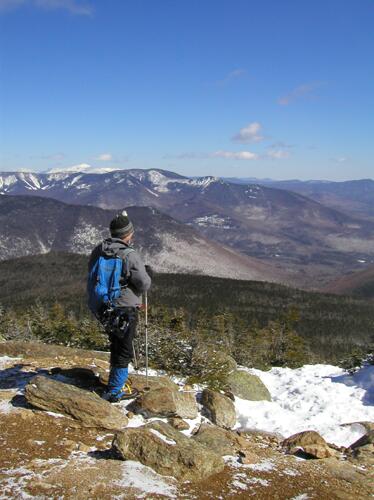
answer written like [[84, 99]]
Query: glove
[[149, 271]]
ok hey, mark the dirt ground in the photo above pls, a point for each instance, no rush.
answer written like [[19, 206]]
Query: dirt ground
[[49, 456]]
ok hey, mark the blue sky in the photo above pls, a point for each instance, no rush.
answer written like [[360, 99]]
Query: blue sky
[[280, 89]]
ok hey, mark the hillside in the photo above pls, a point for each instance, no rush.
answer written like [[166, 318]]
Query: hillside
[[331, 324], [32, 225], [311, 242], [360, 284]]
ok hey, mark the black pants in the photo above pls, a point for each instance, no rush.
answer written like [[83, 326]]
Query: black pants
[[121, 341]]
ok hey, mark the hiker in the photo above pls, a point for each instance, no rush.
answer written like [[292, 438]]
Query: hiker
[[117, 278]]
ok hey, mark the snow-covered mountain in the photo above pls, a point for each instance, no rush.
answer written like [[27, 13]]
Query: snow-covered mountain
[[34, 225], [312, 242]]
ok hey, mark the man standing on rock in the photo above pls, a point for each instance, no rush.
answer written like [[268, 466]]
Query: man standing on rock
[[117, 278]]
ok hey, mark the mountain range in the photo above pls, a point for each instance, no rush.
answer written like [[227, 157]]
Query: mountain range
[[355, 197], [32, 225], [309, 241]]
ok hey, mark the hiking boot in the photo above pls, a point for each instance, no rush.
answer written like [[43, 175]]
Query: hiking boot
[[127, 392]]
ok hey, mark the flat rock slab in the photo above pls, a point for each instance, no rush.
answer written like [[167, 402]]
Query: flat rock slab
[[164, 402], [167, 451], [220, 408], [91, 411], [247, 386]]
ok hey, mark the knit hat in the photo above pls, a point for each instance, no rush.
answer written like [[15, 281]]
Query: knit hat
[[121, 225]]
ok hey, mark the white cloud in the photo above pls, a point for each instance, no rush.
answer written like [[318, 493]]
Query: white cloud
[[278, 154], [104, 157], [340, 159], [248, 134], [233, 155], [233, 75], [75, 7], [300, 92]]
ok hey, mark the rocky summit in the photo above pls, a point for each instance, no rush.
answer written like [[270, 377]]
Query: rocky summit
[[60, 440]]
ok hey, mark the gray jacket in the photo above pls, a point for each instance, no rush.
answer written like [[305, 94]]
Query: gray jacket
[[134, 273]]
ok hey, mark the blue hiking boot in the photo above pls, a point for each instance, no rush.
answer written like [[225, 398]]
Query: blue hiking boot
[[118, 386]]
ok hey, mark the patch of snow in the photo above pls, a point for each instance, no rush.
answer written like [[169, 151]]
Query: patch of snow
[[213, 221], [6, 181], [290, 472], [143, 478], [160, 181], [83, 186], [154, 194], [163, 438], [13, 482], [302, 496], [7, 360], [55, 415], [6, 407], [86, 168], [239, 484], [204, 182], [258, 480], [75, 179], [263, 466], [85, 236], [43, 247], [313, 397]]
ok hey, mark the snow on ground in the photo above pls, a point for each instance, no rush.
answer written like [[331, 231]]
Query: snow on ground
[[143, 478], [313, 397], [6, 361]]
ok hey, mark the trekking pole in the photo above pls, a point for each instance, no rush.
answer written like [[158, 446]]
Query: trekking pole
[[146, 388], [136, 366]]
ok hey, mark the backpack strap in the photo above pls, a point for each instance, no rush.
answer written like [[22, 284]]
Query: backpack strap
[[123, 254]]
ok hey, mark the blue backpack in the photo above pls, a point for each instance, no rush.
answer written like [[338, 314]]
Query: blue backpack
[[103, 284]]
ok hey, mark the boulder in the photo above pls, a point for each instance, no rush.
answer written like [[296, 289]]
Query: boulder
[[178, 423], [247, 386], [221, 441], [91, 411], [164, 402], [159, 446], [309, 442], [220, 408]]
